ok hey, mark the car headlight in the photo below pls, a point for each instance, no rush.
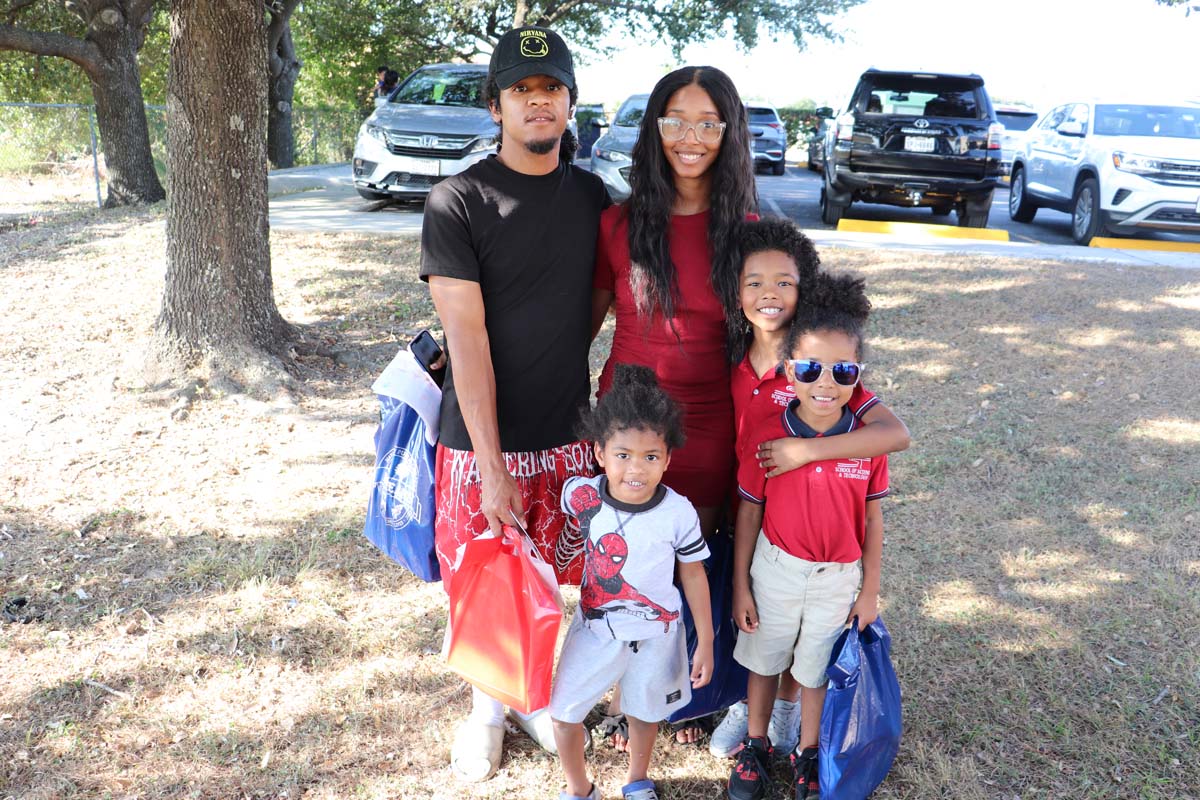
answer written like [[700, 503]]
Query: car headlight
[[610, 155], [481, 144], [1139, 165], [375, 132]]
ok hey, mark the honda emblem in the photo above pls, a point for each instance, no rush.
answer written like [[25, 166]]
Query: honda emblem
[[431, 141]]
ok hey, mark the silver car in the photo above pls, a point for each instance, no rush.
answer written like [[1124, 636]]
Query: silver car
[[612, 154], [435, 124], [768, 139]]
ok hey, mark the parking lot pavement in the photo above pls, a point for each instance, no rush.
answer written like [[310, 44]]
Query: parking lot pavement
[[323, 199]]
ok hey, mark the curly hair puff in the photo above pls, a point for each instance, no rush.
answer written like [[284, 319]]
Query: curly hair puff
[[758, 236], [831, 303], [635, 401]]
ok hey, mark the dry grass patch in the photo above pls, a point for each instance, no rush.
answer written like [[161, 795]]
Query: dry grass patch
[[202, 618]]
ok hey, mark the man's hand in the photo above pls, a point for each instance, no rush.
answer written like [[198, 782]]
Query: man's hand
[[866, 608], [745, 612], [500, 499]]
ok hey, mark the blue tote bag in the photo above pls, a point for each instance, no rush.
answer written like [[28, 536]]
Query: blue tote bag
[[401, 506], [728, 684], [861, 720]]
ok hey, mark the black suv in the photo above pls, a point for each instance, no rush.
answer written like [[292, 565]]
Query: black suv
[[915, 139]]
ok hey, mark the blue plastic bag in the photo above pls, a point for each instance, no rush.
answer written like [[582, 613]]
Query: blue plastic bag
[[401, 507], [728, 684], [861, 720]]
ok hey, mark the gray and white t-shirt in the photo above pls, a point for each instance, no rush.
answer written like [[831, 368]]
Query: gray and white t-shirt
[[629, 557]]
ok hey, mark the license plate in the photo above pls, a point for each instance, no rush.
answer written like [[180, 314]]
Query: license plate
[[418, 166], [919, 144]]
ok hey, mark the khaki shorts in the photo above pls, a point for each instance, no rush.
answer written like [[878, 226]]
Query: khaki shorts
[[802, 609]]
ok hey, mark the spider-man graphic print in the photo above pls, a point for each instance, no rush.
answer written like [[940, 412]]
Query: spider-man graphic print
[[629, 555]]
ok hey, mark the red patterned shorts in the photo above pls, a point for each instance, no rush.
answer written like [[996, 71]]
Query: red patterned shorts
[[540, 475]]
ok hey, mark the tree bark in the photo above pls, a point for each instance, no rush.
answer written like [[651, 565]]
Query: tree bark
[[108, 56], [285, 69], [218, 303]]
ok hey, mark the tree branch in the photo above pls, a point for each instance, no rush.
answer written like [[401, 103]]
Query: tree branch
[[38, 43], [278, 23], [16, 8], [553, 13], [141, 11]]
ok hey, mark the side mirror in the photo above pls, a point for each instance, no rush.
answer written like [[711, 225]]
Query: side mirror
[[1070, 128], [597, 122], [824, 112]]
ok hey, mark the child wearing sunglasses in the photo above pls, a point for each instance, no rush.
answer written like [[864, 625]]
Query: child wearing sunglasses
[[779, 263], [808, 543]]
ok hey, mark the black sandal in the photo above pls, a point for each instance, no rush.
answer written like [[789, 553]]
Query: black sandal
[[609, 725], [704, 723]]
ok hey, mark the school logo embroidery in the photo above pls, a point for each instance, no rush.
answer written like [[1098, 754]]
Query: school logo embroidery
[[783, 396], [533, 44], [858, 469]]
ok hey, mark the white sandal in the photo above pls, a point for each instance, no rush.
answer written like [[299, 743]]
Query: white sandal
[[475, 754]]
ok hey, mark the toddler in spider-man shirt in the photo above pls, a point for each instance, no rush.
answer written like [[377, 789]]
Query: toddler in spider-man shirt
[[627, 627]]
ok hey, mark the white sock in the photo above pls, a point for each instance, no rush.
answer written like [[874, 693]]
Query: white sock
[[786, 705], [486, 709]]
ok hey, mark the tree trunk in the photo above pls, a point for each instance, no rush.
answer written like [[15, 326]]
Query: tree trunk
[[285, 69], [121, 117], [218, 301]]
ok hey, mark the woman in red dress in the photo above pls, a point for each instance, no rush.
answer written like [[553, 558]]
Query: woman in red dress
[[667, 264]]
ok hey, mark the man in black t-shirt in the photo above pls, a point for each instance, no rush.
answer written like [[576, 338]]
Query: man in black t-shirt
[[508, 248]]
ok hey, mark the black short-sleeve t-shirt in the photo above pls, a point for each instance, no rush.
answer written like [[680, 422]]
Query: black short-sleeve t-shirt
[[530, 243]]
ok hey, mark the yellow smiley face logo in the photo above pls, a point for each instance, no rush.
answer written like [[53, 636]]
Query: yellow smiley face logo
[[532, 47]]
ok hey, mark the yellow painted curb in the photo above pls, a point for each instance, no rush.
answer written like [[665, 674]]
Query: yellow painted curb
[[1145, 244], [918, 230]]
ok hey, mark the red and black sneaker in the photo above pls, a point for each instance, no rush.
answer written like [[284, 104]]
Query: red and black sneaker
[[748, 781], [805, 774]]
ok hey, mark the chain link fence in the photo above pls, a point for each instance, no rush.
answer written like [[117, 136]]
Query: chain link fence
[[57, 144]]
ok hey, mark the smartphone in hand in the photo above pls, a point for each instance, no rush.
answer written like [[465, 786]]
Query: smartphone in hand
[[428, 353]]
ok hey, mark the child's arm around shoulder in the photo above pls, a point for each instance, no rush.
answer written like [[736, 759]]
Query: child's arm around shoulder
[[882, 432]]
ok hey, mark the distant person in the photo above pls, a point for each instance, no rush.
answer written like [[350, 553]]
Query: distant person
[[380, 74], [390, 80], [508, 247], [808, 544], [627, 627]]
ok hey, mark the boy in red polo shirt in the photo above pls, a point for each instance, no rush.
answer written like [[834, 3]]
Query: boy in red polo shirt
[[809, 542]]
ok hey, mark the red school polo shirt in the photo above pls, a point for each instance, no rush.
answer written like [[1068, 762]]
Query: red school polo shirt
[[819, 511], [756, 400]]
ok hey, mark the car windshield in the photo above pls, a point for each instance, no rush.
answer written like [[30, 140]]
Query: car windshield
[[1017, 120], [921, 96], [631, 112], [443, 87], [1136, 120], [762, 116]]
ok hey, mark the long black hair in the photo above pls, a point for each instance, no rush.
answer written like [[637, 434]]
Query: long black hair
[[568, 146], [635, 401], [732, 197], [832, 303]]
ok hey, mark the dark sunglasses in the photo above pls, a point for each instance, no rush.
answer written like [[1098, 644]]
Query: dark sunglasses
[[845, 373]]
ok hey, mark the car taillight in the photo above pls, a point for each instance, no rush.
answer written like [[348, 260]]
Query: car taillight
[[774, 125], [995, 132], [845, 127]]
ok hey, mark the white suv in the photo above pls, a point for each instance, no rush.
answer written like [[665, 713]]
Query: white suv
[[1115, 167]]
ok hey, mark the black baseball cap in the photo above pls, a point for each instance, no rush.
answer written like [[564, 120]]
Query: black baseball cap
[[531, 50]]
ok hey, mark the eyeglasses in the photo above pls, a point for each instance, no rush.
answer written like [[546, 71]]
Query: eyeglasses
[[845, 373], [673, 130]]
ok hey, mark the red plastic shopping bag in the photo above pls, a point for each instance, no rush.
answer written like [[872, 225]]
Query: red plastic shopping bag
[[505, 610]]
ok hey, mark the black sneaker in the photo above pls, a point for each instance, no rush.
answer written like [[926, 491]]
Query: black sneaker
[[748, 781], [805, 774]]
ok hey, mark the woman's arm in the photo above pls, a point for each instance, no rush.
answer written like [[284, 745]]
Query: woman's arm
[[601, 302], [882, 433]]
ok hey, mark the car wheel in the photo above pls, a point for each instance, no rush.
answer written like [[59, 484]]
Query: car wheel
[[942, 209], [367, 194], [779, 167], [1021, 207], [973, 212], [1085, 212], [831, 212]]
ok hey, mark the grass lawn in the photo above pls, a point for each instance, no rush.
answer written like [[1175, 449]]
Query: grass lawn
[[202, 618]]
